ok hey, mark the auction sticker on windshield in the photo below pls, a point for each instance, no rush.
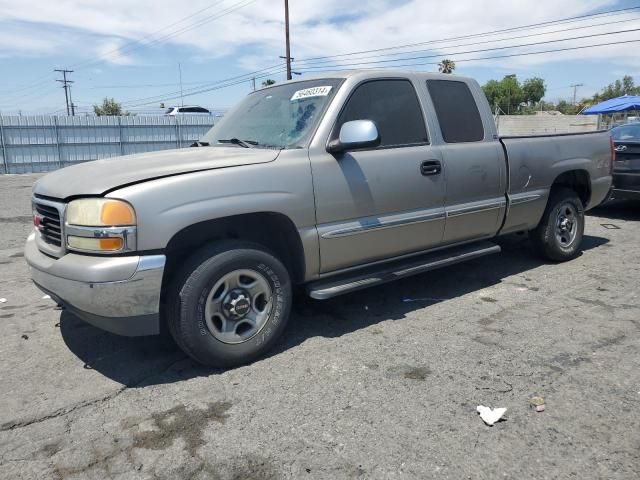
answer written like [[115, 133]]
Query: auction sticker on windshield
[[311, 92]]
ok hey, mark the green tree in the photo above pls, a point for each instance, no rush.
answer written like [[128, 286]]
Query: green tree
[[533, 90], [109, 107], [507, 94], [446, 66], [268, 82], [625, 86], [567, 108]]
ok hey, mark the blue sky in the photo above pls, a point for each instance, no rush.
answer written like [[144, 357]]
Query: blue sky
[[131, 50]]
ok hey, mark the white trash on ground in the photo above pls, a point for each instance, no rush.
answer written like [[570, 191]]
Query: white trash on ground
[[490, 415], [3, 300], [46, 297]]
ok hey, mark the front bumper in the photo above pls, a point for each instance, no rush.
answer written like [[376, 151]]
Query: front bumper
[[117, 294]]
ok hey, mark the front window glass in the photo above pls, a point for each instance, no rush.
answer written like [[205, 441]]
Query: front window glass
[[393, 106], [284, 116]]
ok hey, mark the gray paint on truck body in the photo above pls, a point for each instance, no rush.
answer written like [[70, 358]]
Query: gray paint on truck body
[[355, 208]]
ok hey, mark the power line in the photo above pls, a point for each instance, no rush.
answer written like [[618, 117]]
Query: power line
[[210, 89], [173, 94], [244, 3], [150, 85], [164, 95], [608, 13], [523, 54], [537, 34], [272, 70], [457, 60], [140, 43], [137, 44], [198, 91], [219, 87], [241, 78], [422, 57]]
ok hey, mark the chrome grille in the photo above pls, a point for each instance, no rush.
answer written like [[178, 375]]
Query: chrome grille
[[50, 225]]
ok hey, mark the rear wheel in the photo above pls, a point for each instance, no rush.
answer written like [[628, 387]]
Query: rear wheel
[[229, 304], [559, 235]]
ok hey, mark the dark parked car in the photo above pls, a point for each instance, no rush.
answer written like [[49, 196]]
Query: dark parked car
[[626, 170]]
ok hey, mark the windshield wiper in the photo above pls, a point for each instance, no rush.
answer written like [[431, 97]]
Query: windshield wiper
[[237, 141], [198, 143]]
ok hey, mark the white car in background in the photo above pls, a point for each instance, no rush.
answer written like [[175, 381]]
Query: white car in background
[[187, 110]]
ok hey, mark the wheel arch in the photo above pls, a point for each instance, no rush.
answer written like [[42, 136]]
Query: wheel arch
[[577, 180], [274, 231]]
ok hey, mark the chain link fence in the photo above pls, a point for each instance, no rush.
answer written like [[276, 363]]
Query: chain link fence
[[43, 143]]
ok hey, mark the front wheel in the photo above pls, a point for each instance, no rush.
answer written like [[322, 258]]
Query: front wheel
[[230, 303], [558, 237]]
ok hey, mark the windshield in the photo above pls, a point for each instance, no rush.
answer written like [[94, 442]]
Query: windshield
[[626, 132], [281, 117]]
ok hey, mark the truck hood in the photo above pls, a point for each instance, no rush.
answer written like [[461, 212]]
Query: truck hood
[[100, 176]]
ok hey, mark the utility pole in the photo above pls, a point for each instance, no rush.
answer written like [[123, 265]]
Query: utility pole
[[253, 83], [66, 84], [286, 31], [181, 94], [575, 90], [71, 104]]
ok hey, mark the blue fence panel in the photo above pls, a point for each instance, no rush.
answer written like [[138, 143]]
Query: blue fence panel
[[45, 143]]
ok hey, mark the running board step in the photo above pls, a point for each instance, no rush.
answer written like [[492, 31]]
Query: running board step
[[379, 274]]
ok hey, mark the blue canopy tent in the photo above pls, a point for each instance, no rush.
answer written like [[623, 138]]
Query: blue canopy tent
[[615, 105], [615, 111]]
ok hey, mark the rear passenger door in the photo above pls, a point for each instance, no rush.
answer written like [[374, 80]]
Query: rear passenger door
[[378, 203], [474, 164]]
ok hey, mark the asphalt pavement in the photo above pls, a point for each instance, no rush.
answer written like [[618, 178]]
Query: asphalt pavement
[[383, 383]]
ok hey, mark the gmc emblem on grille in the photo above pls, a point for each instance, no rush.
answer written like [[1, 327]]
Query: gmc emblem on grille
[[38, 222]]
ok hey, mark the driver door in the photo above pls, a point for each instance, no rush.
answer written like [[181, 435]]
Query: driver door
[[379, 203]]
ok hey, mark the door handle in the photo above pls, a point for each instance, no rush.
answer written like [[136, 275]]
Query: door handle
[[430, 167]]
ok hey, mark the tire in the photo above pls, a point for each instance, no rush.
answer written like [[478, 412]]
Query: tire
[[243, 317], [558, 236]]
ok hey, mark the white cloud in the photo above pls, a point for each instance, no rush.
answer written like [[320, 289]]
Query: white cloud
[[318, 28], [111, 52]]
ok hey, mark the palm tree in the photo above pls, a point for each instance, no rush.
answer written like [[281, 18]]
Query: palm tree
[[446, 66], [268, 82]]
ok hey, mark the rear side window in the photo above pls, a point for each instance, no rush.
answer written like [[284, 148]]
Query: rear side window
[[457, 111], [393, 106]]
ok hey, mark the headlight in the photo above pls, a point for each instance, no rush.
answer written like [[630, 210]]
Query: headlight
[[100, 212], [100, 225]]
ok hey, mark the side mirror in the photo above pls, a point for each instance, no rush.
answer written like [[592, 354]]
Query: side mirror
[[355, 134]]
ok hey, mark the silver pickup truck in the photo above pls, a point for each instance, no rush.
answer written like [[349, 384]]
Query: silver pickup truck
[[335, 183]]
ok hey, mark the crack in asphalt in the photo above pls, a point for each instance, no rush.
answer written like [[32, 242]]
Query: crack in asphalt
[[61, 412], [12, 425]]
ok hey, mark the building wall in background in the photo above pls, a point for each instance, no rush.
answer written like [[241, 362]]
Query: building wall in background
[[545, 124], [45, 143]]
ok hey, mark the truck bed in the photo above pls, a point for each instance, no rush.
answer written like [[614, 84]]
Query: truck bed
[[534, 162]]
